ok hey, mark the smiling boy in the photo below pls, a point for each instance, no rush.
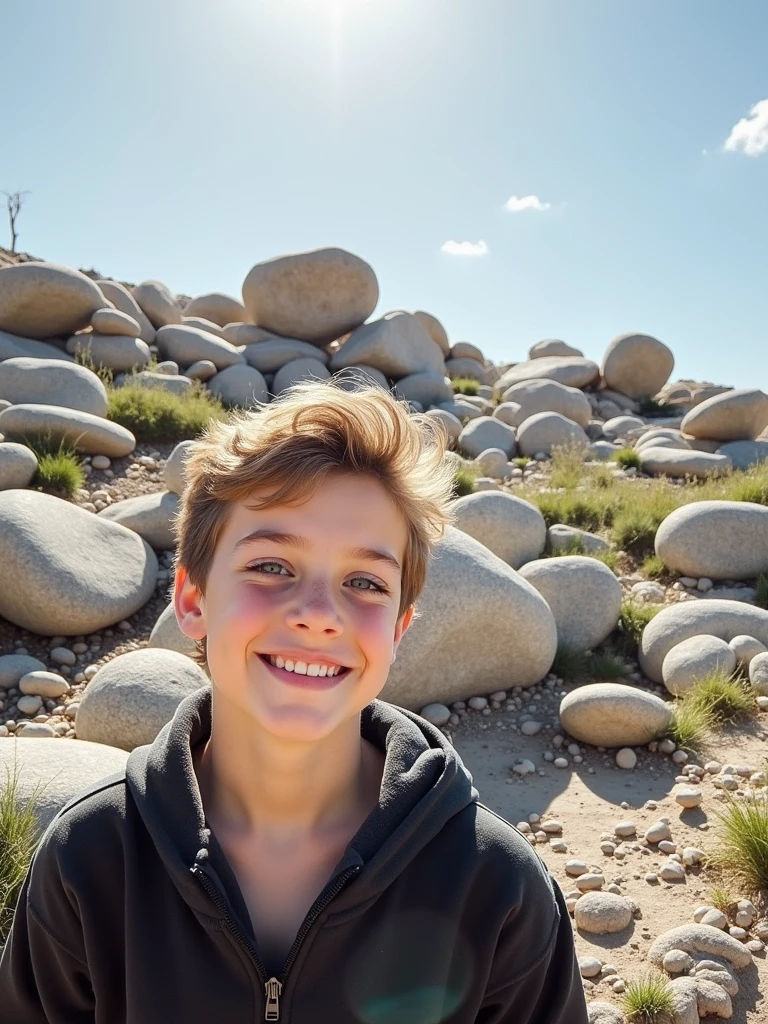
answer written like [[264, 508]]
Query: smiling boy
[[290, 848]]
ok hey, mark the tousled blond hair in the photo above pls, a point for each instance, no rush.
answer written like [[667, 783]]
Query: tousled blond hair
[[311, 430]]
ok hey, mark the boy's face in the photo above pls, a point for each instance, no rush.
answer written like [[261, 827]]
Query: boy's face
[[313, 595]]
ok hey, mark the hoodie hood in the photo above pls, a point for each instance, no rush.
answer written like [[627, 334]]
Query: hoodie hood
[[424, 784]]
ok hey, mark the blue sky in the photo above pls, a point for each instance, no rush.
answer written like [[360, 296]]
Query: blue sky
[[188, 139]]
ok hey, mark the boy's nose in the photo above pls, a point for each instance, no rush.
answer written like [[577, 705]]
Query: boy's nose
[[316, 611]]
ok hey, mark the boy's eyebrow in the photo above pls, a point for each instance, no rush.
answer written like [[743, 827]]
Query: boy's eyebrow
[[292, 540]]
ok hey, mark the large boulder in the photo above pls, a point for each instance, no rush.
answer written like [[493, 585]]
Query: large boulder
[[18, 465], [479, 622], [466, 367], [583, 595], [269, 356], [427, 388], [535, 396], [614, 715], [744, 454], [573, 371], [174, 476], [113, 321], [11, 346], [158, 303], [547, 430], [92, 435], [396, 344], [722, 540], [51, 774], [166, 633], [353, 378], [204, 325], [177, 384], [132, 697], [672, 625], [561, 537], [73, 572], [620, 426], [435, 330], [122, 300], [552, 347], [602, 913], [185, 345], [739, 415], [239, 386], [238, 333], [513, 529], [216, 307], [14, 666], [316, 296], [702, 940], [450, 423], [299, 370], [41, 300], [637, 365], [120, 353], [486, 432], [680, 463], [152, 516], [466, 350], [48, 382], [692, 660]]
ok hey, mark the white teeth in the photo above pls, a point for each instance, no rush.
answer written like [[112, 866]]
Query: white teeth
[[313, 670], [280, 662], [288, 665], [323, 670], [302, 668]]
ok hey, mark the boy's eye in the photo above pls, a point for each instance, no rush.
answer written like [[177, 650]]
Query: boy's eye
[[278, 569], [374, 586], [267, 567]]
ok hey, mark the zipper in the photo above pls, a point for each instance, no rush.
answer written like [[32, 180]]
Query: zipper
[[273, 988]]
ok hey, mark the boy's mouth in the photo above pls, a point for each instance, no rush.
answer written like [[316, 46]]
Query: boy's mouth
[[304, 668]]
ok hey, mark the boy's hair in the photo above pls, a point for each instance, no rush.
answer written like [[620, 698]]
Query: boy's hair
[[311, 430]]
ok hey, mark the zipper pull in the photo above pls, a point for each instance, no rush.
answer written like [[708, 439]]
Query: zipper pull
[[273, 989]]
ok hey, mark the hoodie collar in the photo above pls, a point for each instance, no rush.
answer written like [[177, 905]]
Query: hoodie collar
[[424, 784]]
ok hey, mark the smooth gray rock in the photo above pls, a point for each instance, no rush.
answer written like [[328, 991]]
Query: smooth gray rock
[[73, 572], [91, 435], [215, 306], [174, 383], [204, 325], [239, 386], [561, 537], [435, 330], [746, 648], [157, 302], [187, 345], [602, 913], [485, 432], [692, 660], [480, 622], [152, 516], [675, 462], [573, 371], [470, 368], [450, 423], [173, 471], [678, 622], [269, 356], [583, 595], [637, 365], [12, 346], [166, 633], [552, 347], [122, 299], [545, 431], [41, 300], [513, 529], [18, 465], [49, 382], [299, 370], [619, 426], [700, 939], [758, 673], [430, 389], [119, 353], [534, 396], [132, 697], [722, 540], [466, 350], [114, 321], [744, 454], [614, 715], [52, 774], [397, 345], [604, 1013], [738, 415], [201, 370], [14, 666]]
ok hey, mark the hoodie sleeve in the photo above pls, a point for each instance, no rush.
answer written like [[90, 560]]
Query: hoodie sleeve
[[549, 991], [44, 978]]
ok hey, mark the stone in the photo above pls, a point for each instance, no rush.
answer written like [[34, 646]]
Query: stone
[[397, 345], [461, 409], [173, 471], [42, 300], [677, 961], [672, 872], [614, 715], [13, 667], [738, 415], [91, 435], [575, 868], [428, 388], [589, 966], [486, 432], [450, 423], [202, 369], [12, 346], [715, 918], [658, 831], [573, 371], [513, 529], [166, 633], [604, 1013], [722, 540], [619, 426], [744, 454], [466, 368], [119, 353], [157, 303], [352, 378], [41, 683], [152, 516], [270, 355], [648, 592], [122, 299], [317, 296], [509, 413], [535, 396], [220, 309], [552, 347], [637, 365], [175, 384], [602, 913], [654, 434], [547, 430], [692, 660], [298, 370], [35, 730], [626, 758], [492, 462], [700, 939], [203, 325], [677, 463], [18, 464], [29, 705], [678, 622], [564, 538], [688, 796], [437, 714], [113, 321], [583, 594], [435, 330], [469, 594], [187, 345], [758, 674], [466, 350], [73, 572], [51, 774], [239, 386], [134, 695], [696, 997], [524, 767]]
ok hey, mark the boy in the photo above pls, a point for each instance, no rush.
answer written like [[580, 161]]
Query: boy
[[290, 848]]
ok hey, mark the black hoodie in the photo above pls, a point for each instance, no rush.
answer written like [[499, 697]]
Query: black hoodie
[[439, 911]]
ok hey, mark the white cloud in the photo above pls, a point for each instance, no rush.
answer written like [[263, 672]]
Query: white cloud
[[465, 248], [750, 134], [516, 204]]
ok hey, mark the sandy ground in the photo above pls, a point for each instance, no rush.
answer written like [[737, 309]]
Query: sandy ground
[[590, 805]]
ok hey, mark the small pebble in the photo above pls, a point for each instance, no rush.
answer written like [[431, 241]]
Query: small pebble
[[626, 758]]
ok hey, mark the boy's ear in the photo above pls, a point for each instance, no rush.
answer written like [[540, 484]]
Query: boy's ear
[[189, 605], [401, 628]]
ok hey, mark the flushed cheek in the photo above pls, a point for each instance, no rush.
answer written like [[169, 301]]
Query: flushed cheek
[[245, 612]]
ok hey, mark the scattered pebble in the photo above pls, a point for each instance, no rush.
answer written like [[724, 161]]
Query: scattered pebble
[[626, 758]]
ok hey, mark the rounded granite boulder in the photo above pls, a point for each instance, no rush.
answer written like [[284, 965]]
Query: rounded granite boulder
[[637, 365], [693, 660], [43, 300], [614, 715], [510, 527], [722, 540]]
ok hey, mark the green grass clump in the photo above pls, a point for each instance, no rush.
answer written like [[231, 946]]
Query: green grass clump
[[761, 590], [587, 511], [605, 666], [464, 385], [634, 530], [60, 474], [723, 899], [743, 835], [521, 461], [464, 478], [570, 663], [575, 546], [568, 466], [648, 1000], [157, 415], [689, 725], [84, 358], [633, 619], [722, 698], [626, 457], [653, 568], [18, 839], [588, 666], [650, 407]]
